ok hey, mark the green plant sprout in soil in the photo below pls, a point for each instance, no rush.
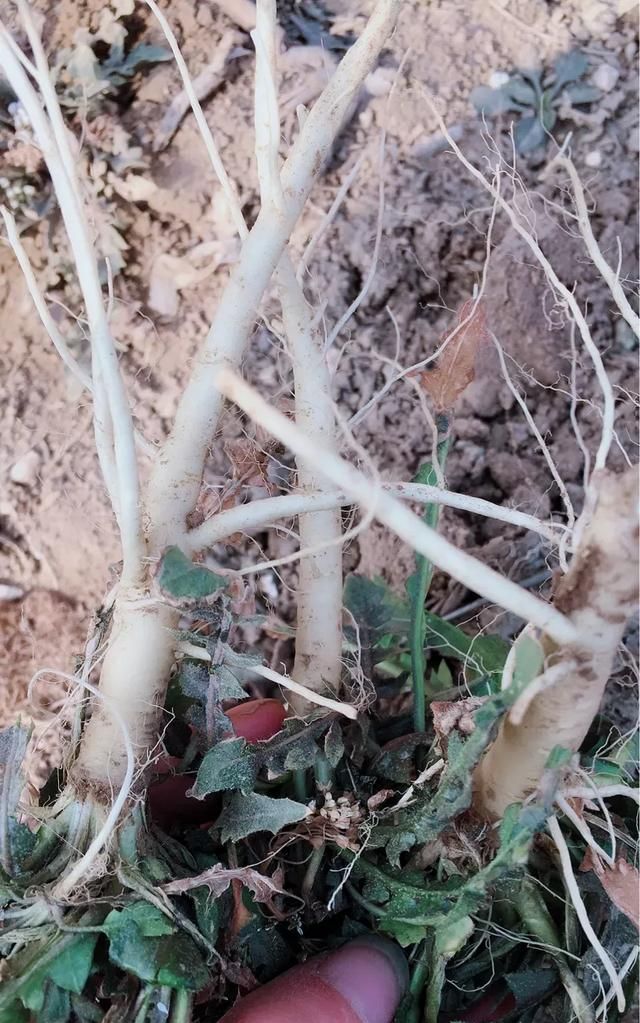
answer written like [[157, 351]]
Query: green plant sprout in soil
[[458, 793]]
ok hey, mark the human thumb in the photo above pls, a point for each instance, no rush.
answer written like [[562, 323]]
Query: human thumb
[[363, 982]]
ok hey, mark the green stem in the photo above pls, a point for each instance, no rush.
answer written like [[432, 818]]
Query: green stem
[[313, 867], [324, 771], [181, 1003], [300, 785], [418, 587], [419, 977]]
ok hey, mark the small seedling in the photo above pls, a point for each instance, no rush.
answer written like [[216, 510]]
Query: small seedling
[[535, 98]]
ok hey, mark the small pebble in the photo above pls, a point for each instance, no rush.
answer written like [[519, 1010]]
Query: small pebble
[[594, 158], [498, 79], [605, 77], [25, 471]]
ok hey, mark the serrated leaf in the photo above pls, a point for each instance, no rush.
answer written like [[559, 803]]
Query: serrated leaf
[[245, 815], [432, 812], [184, 580], [231, 764], [293, 747]]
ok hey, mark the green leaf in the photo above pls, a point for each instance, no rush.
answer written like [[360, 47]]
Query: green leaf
[[568, 68], [71, 969], [377, 613], [244, 815], [529, 657], [529, 133], [15, 1013], [484, 655], [181, 579], [294, 747], [232, 764], [143, 941], [492, 102], [56, 1007]]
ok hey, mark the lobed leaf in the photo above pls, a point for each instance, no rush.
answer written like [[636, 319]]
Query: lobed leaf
[[245, 815]]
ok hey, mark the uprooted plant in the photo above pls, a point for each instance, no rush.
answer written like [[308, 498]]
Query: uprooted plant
[[455, 829]]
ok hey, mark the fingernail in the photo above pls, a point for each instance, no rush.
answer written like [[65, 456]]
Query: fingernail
[[371, 974]]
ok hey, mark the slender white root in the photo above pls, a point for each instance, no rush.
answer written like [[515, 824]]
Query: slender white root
[[176, 477], [373, 266], [257, 514], [37, 298], [609, 276], [99, 842], [52, 137], [531, 423], [207, 137], [515, 217], [574, 895], [583, 828], [626, 967], [308, 695], [603, 791], [597, 595], [328, 219], [409, 527]]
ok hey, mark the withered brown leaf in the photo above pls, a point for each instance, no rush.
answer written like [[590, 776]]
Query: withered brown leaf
[[456, 366]]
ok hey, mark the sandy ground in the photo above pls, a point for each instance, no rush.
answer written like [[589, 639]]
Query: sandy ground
[[161, 214]]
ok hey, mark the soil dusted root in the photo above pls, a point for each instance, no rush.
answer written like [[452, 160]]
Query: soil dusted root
[[598, 594]]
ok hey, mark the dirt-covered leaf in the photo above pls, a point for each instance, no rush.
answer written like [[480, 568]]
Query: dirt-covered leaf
[[183, 580], [245, 815], [143, 941], [432, 812], [456, 365], [231, 764], [294, 747], [421, 905]]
